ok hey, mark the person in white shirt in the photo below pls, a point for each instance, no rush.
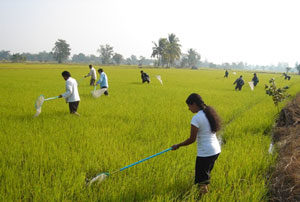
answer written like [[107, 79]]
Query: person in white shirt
[[103, 81], [204, 126], [71, 95], [92, 74]]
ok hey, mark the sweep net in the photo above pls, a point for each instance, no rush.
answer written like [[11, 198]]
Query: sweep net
[[251, 85], [159, 79], [98, 93], [38, 105]]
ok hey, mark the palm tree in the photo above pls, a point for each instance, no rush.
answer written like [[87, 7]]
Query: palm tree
[[173, 50], [159, 50]]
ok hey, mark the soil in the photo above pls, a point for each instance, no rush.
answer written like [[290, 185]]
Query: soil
[[285, 181]]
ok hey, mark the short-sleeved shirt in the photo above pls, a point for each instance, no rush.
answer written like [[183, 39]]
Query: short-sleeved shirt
[[207, 142]]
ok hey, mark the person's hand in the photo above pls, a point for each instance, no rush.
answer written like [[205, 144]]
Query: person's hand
[[175, 146], [60, 96]]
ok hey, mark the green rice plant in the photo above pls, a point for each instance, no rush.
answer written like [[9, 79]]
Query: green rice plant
[[48, 158]]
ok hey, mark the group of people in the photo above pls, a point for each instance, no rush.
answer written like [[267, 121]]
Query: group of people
[[239, 82], [204, 124], [72, 95]]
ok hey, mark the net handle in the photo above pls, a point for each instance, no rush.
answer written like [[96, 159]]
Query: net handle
[[145, 159], [51, 98]]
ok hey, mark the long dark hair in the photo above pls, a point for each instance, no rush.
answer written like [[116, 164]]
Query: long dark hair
[[212, 116]]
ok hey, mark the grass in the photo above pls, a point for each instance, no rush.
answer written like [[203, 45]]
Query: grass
[[49, 157]]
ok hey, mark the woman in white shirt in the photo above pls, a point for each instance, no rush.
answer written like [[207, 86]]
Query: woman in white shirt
[[204, 126]]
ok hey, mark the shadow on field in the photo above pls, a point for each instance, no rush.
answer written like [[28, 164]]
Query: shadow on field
[[135, 83]]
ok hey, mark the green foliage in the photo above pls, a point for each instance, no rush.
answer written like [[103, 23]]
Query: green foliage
[[117, 58], [167, 50], [278, 94], [49, 157], [61, 50], [106, 53], [18, 58]]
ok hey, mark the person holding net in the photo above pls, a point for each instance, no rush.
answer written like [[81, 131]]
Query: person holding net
[[92, 74], [204, 126], [71, 95], [103, 81]]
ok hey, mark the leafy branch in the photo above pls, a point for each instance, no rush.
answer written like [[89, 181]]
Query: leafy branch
[[278, 94]]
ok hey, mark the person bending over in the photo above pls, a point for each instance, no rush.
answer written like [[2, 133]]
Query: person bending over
[[103, 81], [204, 125]]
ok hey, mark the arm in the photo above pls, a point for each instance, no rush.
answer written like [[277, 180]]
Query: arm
[[89, 74], [188, 141]]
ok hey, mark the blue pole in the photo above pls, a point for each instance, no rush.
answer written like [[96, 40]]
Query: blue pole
[[51, 98], [145, 159]]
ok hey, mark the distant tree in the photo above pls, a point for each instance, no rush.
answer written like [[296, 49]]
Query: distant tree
[[134, 60], [106, 53], [44, 56], [4, 55], [141, 60], [61, 50], [288, 69], [184, 61], [94, 59], [128, 61], [298, 68], [18, 58], [173, 50], [80, 58], [117, 58], [193, 57], [159, 51], [240, 65]]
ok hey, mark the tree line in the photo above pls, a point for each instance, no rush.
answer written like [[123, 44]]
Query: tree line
[[165, 53]]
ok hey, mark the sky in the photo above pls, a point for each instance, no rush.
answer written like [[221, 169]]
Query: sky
[[263, 32]]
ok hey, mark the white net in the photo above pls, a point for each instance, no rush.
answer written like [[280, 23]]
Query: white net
[[98, 93], [234, 73], [251, 85], [159, 79], [98, 178], [38, 105]]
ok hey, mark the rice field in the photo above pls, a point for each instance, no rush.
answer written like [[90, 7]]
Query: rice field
[[49, 158]]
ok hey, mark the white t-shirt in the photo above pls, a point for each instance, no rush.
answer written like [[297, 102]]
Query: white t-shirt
[[92, 73], [71, 94], [207, 142]]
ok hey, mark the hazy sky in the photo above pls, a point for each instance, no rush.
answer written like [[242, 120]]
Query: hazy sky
[[253, 31]]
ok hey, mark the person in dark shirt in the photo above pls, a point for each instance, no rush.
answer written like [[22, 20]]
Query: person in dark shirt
[[286, 77], [226, 74], [145, 77], [255, 79], [239, 83]]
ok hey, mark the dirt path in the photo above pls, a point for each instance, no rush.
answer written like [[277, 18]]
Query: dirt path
[[285, 182]]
